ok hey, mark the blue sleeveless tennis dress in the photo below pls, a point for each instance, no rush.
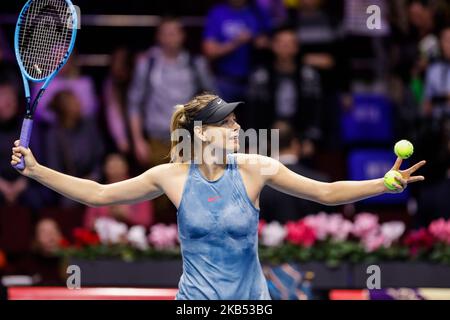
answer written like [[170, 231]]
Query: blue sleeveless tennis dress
[[218, 231]]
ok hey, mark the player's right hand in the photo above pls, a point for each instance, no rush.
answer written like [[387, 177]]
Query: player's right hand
[[19, 152]]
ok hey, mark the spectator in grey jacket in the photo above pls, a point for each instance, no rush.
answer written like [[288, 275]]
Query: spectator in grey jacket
[[164, 76]]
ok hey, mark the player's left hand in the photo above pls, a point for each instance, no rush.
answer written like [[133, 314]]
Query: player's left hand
[[407, 176]]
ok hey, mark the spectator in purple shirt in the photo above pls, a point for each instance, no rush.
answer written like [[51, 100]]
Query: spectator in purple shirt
[[275, 11], [69, 78], [231, 30], [115, 89]]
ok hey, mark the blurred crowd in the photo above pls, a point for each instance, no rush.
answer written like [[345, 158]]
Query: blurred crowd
[[296, 63]]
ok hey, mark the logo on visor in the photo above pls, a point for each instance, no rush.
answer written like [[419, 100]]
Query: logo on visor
[[219, 101]]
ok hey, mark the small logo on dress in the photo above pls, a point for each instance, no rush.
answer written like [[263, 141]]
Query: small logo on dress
[[212, 199]]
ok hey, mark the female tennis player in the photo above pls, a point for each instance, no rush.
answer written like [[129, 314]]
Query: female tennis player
[[217, 199]]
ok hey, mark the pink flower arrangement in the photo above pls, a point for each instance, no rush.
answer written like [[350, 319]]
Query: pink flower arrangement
[[339, 228], [318, 222], [365, 224], [392, 231], [333, 238], [261, 224], [419, 239], [110, 230], [373, 241], [322, 226], [163, 236], [300, 233], [440, 230], [137, 238], [273, 234], [329, 225]]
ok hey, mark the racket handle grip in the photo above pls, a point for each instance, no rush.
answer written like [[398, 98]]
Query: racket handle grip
[[25, 135]]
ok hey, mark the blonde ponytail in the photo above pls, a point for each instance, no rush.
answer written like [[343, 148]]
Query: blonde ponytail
[[177, 122], [182, 119]]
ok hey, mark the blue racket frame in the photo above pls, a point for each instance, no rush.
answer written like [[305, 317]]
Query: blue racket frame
[[27, 125]]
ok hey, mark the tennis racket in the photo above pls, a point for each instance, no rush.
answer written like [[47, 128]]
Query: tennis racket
[[44, 39]]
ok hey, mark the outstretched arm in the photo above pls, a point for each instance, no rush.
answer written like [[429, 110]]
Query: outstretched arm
[[91, 193], [350, 191], [339, 192]]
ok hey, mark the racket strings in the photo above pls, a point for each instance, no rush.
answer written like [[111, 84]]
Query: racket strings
[[45, 35]]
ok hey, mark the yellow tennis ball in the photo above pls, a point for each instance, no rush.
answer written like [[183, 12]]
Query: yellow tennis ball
[[404, 149], [389, 179]]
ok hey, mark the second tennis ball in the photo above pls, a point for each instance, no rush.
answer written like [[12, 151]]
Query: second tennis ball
[[389, 179], [403, 149]]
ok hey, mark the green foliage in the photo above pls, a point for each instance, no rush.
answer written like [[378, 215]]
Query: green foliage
[[119, 251], [332, 253]]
